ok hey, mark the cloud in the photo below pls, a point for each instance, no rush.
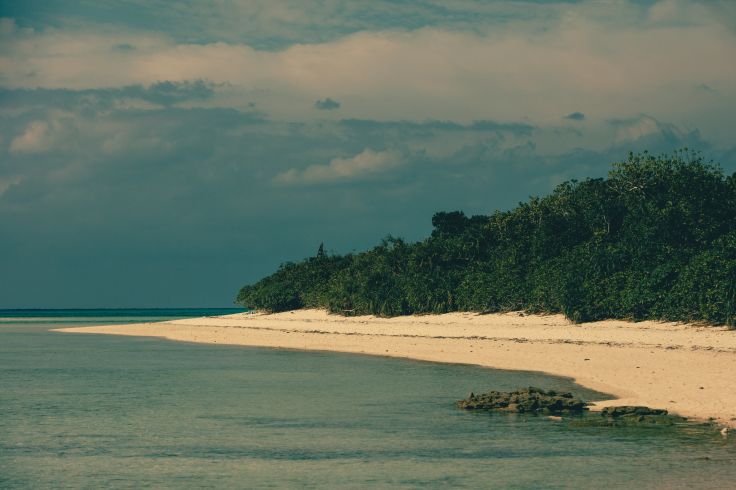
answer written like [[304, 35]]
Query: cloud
[[485, 125], [582, 57], [8, 182], [33, 140], [631, 129], [327, 104], [124, 47], [164, 93], [342, 169], [575, 116], [723, 11], [644, 132], [168, 92], [274, 25]]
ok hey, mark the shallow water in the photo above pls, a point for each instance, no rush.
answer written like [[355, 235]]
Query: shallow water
[[93, 411]]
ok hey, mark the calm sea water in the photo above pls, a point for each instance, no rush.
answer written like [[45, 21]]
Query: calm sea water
[[98, 411]]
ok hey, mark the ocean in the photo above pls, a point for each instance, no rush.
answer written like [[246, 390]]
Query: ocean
[[101, 411]]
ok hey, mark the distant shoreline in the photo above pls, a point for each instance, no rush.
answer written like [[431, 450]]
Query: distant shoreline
[[687, 369]]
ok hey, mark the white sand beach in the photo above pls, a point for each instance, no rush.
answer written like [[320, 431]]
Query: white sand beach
[[687, 369]]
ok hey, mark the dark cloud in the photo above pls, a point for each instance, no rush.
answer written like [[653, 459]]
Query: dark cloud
[[124, 47], [165, 93], [268, 26], [724, 11], [367, 124], [575, 116], [518, 128], [327, 104], [168, 93]]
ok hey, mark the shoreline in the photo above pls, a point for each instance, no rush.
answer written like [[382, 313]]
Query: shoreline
[[687, 369]]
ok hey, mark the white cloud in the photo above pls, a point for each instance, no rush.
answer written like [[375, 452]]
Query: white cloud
[[639, 127], [34, 139], [340, 169], [58, 131], [7, 182]]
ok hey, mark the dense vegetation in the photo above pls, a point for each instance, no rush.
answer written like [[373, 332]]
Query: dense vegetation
[[654, 240]]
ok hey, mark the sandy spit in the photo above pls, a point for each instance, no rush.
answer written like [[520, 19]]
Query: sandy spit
[[687, 369]]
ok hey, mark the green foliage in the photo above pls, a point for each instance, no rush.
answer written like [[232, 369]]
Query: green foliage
[[655, 240]]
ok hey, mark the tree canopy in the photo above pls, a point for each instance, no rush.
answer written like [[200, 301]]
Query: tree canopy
[[656, 239]]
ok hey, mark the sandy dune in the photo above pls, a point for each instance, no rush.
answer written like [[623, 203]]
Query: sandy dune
[[690, 370]]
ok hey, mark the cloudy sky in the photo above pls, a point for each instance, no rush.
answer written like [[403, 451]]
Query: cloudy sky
[[162, 154]]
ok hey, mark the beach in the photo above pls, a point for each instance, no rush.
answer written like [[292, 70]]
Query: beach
[[687, 369]]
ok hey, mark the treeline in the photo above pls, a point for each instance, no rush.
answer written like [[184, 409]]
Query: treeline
[[654, 240]]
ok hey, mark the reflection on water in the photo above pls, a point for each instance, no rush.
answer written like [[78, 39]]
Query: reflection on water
[[102, 411]]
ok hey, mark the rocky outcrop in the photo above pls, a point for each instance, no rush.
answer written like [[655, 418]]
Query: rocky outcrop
[[527, 400], [539, 401], [629, 416]]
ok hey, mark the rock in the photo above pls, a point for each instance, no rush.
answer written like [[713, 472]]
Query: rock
[[527, 400], [629, 416], [640, 416], [553, 404], [631, 411]]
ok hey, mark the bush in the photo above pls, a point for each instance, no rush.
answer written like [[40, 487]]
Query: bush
[[655, 240]]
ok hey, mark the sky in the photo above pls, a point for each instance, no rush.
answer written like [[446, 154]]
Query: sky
[[165, 153]]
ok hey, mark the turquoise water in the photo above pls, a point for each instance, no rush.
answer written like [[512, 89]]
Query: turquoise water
[[98, 411]]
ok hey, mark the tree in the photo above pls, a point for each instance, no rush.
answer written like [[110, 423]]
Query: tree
[[654, 240]]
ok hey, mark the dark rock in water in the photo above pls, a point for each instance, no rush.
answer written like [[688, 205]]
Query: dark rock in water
[[627, 411], [527, 400], [629, 416], [536, 400], [639, 416]]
